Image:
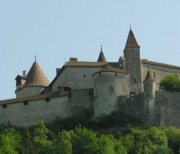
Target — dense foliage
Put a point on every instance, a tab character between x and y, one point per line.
170	83
45	139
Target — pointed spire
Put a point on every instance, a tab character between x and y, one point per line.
131	40
149	75
101	56
36	77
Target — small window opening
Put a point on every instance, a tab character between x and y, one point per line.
47	99
115	74
135	81
4	105
84	75
111	89
99	73
131	49
25	102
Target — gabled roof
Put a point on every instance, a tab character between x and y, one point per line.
84	64
149	76
147	62
36	77
131	41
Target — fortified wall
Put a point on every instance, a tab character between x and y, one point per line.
163	110
27	111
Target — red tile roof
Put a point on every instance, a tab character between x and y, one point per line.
101	57
109	68
131	41
84	64
149	76
147	62
36	77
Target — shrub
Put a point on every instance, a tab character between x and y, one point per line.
170	83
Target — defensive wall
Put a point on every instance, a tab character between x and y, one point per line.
47	108
163	110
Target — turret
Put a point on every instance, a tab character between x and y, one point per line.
33	83
101	57
149	85
133	62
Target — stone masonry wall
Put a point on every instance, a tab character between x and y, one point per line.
167	110
19	114
132	106
76	77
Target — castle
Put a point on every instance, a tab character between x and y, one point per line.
80	88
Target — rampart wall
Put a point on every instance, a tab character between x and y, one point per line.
19	114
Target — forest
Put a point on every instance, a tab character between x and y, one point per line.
113	134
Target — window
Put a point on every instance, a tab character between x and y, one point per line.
84	75
115	74
4	105
111	89
25	102
135	81
99	73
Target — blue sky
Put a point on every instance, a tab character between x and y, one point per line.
59	29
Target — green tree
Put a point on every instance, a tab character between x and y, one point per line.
150	141
41	142
107	144
84	141
63	143
170	83
10	141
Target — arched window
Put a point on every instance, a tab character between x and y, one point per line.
111	89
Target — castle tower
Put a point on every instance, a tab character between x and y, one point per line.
149	99
35	82
109	83
133	62
101	56
149	85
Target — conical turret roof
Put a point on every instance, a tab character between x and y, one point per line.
36	77
149	76
101	57
131	41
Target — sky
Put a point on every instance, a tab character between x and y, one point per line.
55	30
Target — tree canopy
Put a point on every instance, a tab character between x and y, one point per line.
170	83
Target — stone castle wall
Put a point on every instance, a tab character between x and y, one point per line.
76	77
19	114
28	91
108	86
167	110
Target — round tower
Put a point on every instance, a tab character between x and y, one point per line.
109	83
35	82
149	85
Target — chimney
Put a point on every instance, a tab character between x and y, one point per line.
73	59
24	73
